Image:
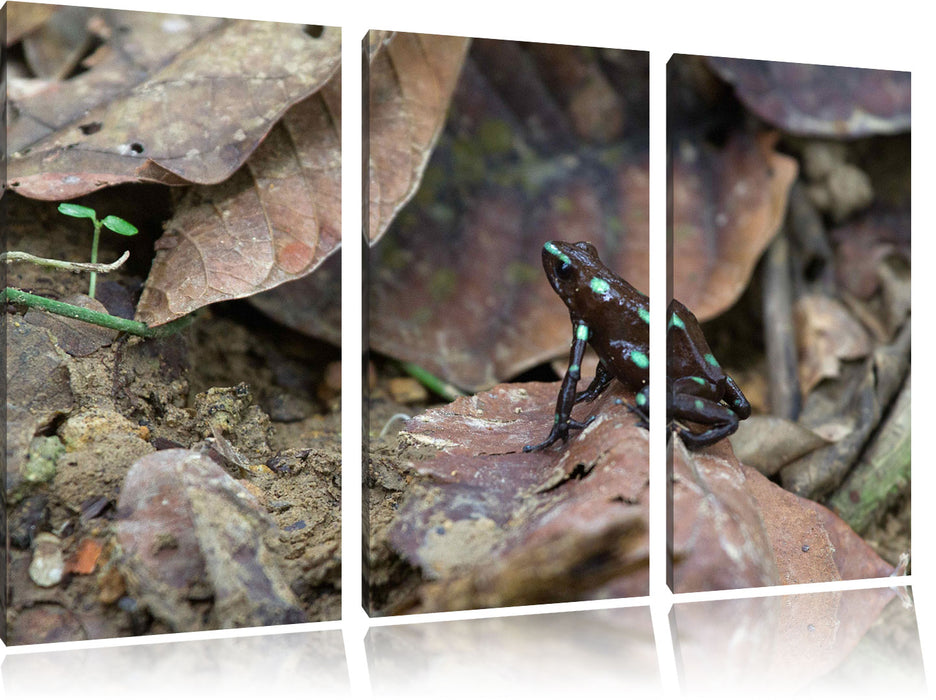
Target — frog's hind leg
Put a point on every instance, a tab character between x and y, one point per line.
723	420
602	378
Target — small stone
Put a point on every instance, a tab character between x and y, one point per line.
48	564
407	390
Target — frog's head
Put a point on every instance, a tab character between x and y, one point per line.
572	268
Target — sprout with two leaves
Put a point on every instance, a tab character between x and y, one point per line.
114	223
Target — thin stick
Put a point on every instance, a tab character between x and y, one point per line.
80	313
17	256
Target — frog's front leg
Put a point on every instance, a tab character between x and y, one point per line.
697	409
566	399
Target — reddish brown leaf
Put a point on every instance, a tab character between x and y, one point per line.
457	283
811	100
167	98
275	220
734	528
727	206
491	525
410	82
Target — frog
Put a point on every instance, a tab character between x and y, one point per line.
613	317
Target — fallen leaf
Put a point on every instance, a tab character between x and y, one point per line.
728	204
812	100
167	98
861	395
490	525
410	79
826	334
734	528
275	220
767	443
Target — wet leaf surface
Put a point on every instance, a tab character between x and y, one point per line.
273	221
734	528
410	81
812	100
491	526
165	98
728	203
190	531
456	284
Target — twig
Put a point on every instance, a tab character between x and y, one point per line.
17	256
98	318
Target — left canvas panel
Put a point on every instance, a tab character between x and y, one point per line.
171	420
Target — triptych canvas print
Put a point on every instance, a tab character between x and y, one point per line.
172	236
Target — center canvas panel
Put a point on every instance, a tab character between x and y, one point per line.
507	324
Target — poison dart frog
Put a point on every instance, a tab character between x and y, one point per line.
614	318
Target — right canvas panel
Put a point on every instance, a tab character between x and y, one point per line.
788	325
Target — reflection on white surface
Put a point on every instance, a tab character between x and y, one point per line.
829	645
301	664
599	653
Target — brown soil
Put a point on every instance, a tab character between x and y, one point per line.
131	397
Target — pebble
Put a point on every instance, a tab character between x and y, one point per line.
48	563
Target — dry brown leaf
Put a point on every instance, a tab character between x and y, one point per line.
410	82
275	220
167	98
826	333
734	528
727	206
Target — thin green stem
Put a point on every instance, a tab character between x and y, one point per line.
94	246
80	313
447	391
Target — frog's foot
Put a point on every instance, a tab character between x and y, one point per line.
560	431
722	421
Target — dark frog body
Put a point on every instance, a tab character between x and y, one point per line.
614	318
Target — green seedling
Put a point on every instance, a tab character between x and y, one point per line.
114	223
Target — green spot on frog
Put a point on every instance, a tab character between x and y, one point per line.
599	286
644	314
581	332
710	358
640	359
676	322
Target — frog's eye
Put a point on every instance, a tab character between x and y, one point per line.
563	269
